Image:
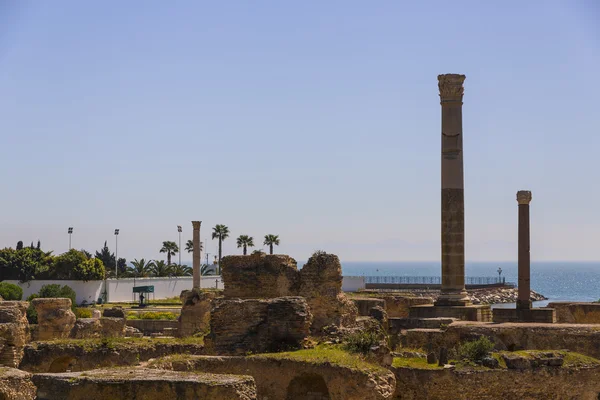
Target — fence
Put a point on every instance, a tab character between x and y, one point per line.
432	280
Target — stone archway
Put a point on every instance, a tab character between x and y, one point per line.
62	364
308	387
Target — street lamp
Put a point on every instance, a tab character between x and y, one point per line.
70	232
499	273
179	230
116	252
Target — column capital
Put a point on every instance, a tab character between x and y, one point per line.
451	87
524	197
196	224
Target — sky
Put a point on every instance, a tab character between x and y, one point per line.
317	121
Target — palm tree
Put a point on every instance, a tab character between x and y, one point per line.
189	246
140	269
171	249
271	240
181	270
160	268
245	241
205	269
220	232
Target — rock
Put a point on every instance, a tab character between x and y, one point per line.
130	331
490	362
431	358
112	327
379	314
443	357
114	312
145	384
514	361
96	313
16	385
55	318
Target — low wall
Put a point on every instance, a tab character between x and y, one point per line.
150	326
543	383
86	291
353	283
576	313
584	339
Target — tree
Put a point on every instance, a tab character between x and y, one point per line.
189	246
31	245
245	241
66	265
258	251
206	269
140	268
220	232
91	269
107	258
39	245
25	264
170	248
181	270
160	268
271	240
87	254
20	245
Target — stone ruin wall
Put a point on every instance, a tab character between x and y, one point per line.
259	325
576	312
539	383
14	332
271	276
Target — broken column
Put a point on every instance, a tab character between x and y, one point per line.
453	292
523	299
196	254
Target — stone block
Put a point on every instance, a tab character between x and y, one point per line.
542	315
14	332
144	384
114	312
16	385
364	304
481	313
239	326
259	276
576	312
195	312
55	318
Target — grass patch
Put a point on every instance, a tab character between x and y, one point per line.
164	315
83	312
324	354
116	343
417	363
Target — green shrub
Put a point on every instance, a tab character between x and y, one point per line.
10	291
476	350
83	312
31	313
153	315
361	342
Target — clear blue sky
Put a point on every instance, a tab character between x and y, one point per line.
318	121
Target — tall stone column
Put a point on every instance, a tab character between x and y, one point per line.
523	302
196	256
453	291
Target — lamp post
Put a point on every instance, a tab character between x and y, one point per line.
116	252
499	274
70	232
179	230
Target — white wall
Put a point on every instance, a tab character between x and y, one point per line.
88	291
120	290
353	283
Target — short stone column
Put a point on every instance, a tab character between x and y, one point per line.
523	302
453	291
196	256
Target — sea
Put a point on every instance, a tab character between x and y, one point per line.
558	281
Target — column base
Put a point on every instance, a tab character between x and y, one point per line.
480	313
450	299
524	304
